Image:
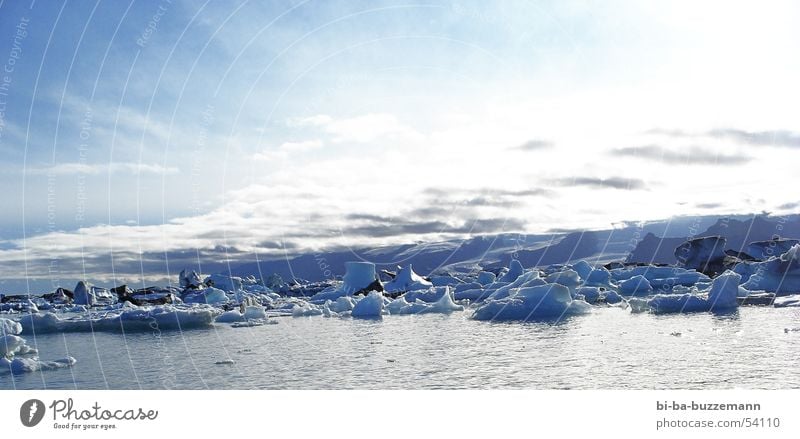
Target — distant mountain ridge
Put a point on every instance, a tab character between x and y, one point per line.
739	233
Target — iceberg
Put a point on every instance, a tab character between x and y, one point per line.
473	295
190	279
224	282
444	305
231	316
635	286
661	278
371	306
589	294
638	305
486	278
343	304
779	275
10	345
358	276
161	317
9	327
583	269
612	297
254	312
83	294
722	297
569	278
550	301
763	250
306	310
406	280
528	279
208	295
706	254
515	270
13	346
429	295
598	277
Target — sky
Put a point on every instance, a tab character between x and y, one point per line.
138	138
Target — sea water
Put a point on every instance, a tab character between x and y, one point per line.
610	348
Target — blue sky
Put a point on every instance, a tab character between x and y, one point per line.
135	132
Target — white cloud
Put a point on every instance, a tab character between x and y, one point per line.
360	129
287	148
103	168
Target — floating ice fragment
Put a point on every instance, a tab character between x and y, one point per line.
370	306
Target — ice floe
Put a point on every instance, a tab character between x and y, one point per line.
407	280
371	306
635	286
128	319
721	297
208	295
17	357
787	301
550	301
779	275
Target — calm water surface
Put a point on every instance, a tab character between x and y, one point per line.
608	349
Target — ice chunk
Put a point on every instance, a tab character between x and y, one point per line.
445	304
611	297
429	295
638	305
25	365
358	275
444	280
473	295
254	312
528	279
343	304
724	290
84	294
407	280
590	294
224	282
777	275
370	306
129	319
763	250
787	301
704	254
397	306
635	286
209	295
583	269
306	310
231	316
486	277
673	303
515	270
9	327
10	345
569	278
332	292
189	279
550	301
721	297
598	276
